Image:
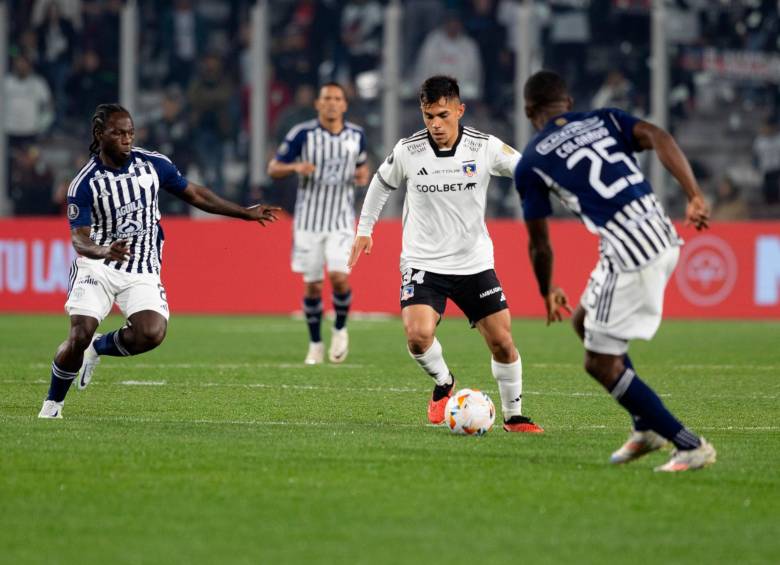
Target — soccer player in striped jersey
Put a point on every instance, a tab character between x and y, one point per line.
447	252
329	156
586	159
114	219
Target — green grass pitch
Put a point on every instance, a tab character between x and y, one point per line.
221	447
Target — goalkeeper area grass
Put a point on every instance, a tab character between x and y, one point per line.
221	447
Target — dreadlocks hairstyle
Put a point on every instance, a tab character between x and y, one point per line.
99	120
437	87
543	88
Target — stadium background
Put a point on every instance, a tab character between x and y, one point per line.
189	70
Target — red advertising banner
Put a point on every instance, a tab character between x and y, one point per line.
228	266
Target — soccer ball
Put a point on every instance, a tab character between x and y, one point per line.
469	412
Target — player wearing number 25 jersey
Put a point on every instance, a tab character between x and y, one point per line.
586	159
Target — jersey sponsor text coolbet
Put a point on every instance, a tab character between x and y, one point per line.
444	227
122	204
587	160
326	199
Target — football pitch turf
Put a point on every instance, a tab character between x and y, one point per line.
221	447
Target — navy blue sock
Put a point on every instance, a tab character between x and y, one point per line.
341	303
60	383
111	344
637	422
312	309
638	398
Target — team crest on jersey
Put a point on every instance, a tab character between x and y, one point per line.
73	211
469	168
145	181
407	292
560	122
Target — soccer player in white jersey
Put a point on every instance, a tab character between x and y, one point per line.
587	160
114	219
329	156
447	251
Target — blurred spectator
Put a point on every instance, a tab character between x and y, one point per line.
32	183
614	93
482	24
361	34
28	47
766	150
28	104
210	97
170	135
56	37
448	51
181	34
419	17
101	30
300	110
293	52
729	204
69	9
89	85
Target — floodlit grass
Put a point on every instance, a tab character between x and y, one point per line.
221	447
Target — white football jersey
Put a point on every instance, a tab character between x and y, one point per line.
444	227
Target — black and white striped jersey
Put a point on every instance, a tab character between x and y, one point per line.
326	199
122	204
587	160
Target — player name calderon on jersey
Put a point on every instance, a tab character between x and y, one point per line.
454	187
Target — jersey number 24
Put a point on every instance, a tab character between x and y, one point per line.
597	154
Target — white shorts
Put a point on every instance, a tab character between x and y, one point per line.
95	287
313	251
620	306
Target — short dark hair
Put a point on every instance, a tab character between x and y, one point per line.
437	87
543	88
334	84
99	120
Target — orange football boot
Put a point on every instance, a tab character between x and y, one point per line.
436	407
522	424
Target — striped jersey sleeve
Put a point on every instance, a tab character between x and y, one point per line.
80	198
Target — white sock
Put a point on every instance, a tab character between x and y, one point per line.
509	377
432	362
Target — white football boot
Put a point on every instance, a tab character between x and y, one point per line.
690	459
51	409
91	361
638	444
316	354
339	346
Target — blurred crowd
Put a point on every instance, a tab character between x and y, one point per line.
194	78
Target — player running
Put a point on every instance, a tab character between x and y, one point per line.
114	219
329	155
586	159
447	251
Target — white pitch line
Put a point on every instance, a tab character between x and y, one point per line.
339	388
329	425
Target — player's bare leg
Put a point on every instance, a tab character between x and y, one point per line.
312	310
622	382
420	322
67	363
342	299
507	368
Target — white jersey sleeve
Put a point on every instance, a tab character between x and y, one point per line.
391	173
502	158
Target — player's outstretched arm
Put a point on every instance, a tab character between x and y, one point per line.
649	136
541	255
84	246
375	200
279	170
206	200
